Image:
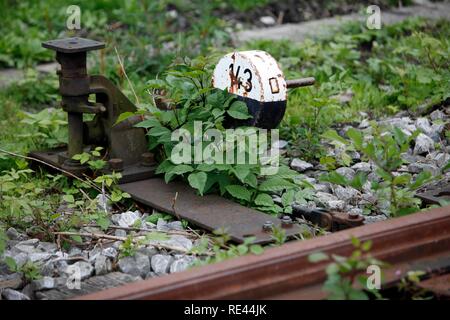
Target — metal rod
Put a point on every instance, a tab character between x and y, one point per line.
75	145
303	82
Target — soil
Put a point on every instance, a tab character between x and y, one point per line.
294	11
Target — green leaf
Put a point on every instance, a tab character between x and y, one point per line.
356	136
156	236
424	76
83	157
164	166
263	199
97	164
156	84
241	172
197	181
123	116
103	222
446	167
288	198
251	180
334	177
76	238
414	276
317	257
402	179
249	240
366	245
400	136
242	249
3	241
421	178
68	198
406	211
346	159
286	173
355	294
275	184
159	131
217	112
239	192
304	194
334	136
332	269
148	123
383	174
206	167
126	195
239	110
328	162
256	249
359	180
153	218
356	242
116	196
178	170
11	263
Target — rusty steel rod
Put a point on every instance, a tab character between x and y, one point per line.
416	241
303	82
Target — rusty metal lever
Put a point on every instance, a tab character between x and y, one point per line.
302	82
125	145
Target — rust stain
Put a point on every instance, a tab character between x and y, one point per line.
258	77
234	82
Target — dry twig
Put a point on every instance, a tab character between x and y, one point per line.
111	237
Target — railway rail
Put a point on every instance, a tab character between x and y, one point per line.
417	242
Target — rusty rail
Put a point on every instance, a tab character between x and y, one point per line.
417	241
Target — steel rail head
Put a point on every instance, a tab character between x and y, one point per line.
285	272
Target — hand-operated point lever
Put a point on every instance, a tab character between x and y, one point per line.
125	144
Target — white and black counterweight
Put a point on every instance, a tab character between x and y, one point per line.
255	77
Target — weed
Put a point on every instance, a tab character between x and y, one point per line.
402	66
345	273
408	286
223	250
3	240
30	271
189	97
385	150
128	248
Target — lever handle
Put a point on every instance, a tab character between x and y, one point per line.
303	82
